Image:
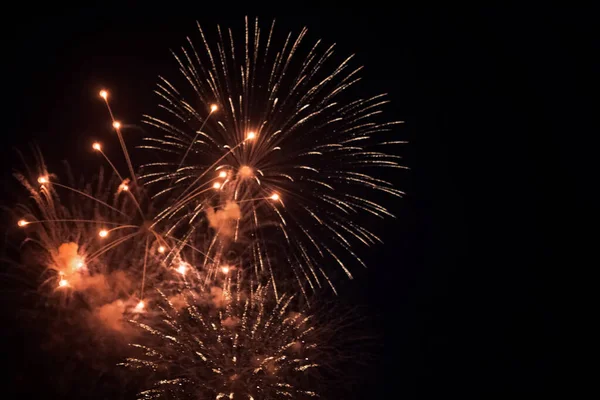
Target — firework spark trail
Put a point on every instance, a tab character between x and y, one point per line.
298	157
117	125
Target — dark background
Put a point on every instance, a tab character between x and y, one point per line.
469	290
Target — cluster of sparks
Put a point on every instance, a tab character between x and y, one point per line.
265	178
234	343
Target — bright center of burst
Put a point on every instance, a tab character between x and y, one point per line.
140	305
250	135
63	283
245	171
182	269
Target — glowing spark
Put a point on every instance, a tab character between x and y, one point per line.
140	306
213	108
124	187
103	233
250	135
22	223
222	174
161	249
116	124
245	171
43	179
182	269
97	146
217	185
63	283
79	265
225	269
104	94
274	196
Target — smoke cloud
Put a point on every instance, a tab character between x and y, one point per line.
218	297
111	316
230	322
223	220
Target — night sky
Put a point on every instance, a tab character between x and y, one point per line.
467	292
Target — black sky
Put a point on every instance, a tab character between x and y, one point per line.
468	289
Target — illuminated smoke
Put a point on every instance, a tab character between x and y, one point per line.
111	316
218	297
223	220
230	322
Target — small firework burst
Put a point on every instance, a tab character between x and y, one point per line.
75	233
228	342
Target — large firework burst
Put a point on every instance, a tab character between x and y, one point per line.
266	135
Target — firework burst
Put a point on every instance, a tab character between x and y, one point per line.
230	341
268	130
67	226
